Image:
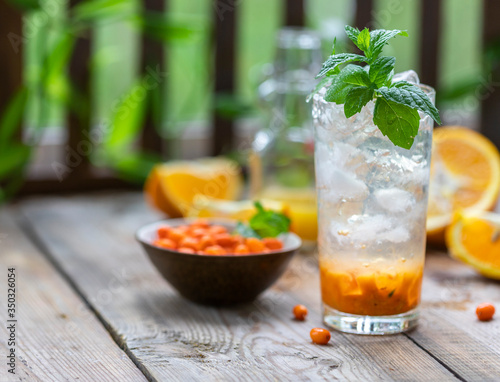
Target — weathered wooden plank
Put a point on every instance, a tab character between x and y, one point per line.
490	98
294	14
449	328
364	13
11	48
92	239
430	28
79	121
153	56
224	72
59	338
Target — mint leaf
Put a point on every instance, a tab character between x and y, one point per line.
363	41
333	61
360	39
245	231
356	99
379	38
352	33
355	75
404	93
397	104
396	121
381	69
348	78
267	223
337	92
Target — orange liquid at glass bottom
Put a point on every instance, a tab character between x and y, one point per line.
371	288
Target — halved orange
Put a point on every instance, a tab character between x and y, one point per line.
475	240
172	186
465	175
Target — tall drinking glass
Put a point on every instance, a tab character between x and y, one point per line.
372	206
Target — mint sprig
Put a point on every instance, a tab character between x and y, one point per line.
264	223
268	223
397	103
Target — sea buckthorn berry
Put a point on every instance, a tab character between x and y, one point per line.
165	243
186	250
241	249
203	223
216	229
237	239
189	242
485	312
183	228
176	234
224	240
163	232
300	312
214	250
206	241
320	336
272	243
198	232
254	245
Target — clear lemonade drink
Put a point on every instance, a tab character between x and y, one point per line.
372	186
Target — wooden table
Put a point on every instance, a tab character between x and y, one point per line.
91	307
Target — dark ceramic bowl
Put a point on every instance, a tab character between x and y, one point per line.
217	280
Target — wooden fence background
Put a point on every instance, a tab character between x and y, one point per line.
225	28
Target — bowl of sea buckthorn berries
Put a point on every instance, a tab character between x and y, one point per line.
221	261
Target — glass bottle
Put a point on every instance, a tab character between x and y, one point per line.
282	158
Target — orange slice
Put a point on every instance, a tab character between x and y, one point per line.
171	187
204	207
475	240
465	175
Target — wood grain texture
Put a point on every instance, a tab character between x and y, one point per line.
449	328
59	338
92	239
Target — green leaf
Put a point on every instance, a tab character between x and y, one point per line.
363	41
26	5
352	33
134	166
54	76
338	91
380	37
245	231
334	45
127	119
407	94
333	61
163	28
230	107
267	223
12	117
97	10
381	70
13	158
357	98
398	122
459	90
355	75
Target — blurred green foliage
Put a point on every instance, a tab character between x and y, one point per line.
187	95
51	84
